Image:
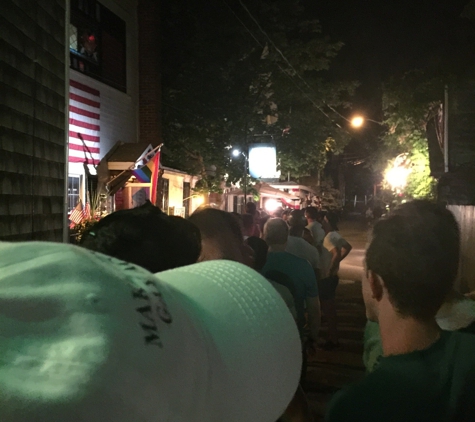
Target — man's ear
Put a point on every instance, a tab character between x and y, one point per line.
376	285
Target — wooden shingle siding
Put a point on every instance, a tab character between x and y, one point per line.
32	119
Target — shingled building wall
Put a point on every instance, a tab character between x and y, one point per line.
32	119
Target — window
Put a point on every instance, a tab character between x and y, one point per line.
73	192
162	200
97	43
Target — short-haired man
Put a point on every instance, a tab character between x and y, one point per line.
411	265
315	227
297	245
276	233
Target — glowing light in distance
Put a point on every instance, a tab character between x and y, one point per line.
199	200
271	205
397	177
236	152
357	121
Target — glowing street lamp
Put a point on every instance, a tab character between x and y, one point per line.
357	121
397	175
236	152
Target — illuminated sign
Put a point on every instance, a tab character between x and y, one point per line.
263	161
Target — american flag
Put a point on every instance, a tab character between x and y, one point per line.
84	109
77	215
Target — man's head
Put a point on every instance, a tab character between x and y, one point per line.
221	235
147	237
412	261
332	222
251	208
297	223
276	232
311	214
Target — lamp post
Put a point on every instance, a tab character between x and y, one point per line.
237	153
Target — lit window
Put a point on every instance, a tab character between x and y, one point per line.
73	37
73	192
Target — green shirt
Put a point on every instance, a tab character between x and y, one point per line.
418	386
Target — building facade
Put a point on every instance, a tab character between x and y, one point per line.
33	150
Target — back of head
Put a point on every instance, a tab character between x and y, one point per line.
332	219
416	253
297	222
276	232
86	337
221	234
251	208
311	213
147	237
260	248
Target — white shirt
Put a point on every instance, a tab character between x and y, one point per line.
317	232
331	241
301	248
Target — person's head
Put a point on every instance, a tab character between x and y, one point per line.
251	208
147	237
311	214
247	224
221	235
411	262
332	220
260	248
297	223
278	212
286	214
85	337
276	233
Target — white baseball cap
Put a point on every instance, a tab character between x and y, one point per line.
86	337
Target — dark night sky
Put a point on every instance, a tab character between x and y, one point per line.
385	38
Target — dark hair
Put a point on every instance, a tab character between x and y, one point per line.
260	248
147	237
212	221
251	208
311	212
416	252
296	222
333	219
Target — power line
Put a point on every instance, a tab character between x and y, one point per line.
283	56
280	67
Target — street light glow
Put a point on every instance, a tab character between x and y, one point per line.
236	152
357	121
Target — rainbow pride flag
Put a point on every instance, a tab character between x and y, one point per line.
149	174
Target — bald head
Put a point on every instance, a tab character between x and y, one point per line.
276	232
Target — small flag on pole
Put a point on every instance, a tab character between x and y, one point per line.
77	214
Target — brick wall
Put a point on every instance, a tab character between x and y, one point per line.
149	71
32	119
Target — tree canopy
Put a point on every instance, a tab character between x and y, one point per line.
234	74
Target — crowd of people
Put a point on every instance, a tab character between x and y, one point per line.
212	318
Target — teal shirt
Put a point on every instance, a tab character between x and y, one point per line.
422	386
301	273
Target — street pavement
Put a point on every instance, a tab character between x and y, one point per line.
330	371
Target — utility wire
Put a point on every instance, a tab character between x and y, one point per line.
285	58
